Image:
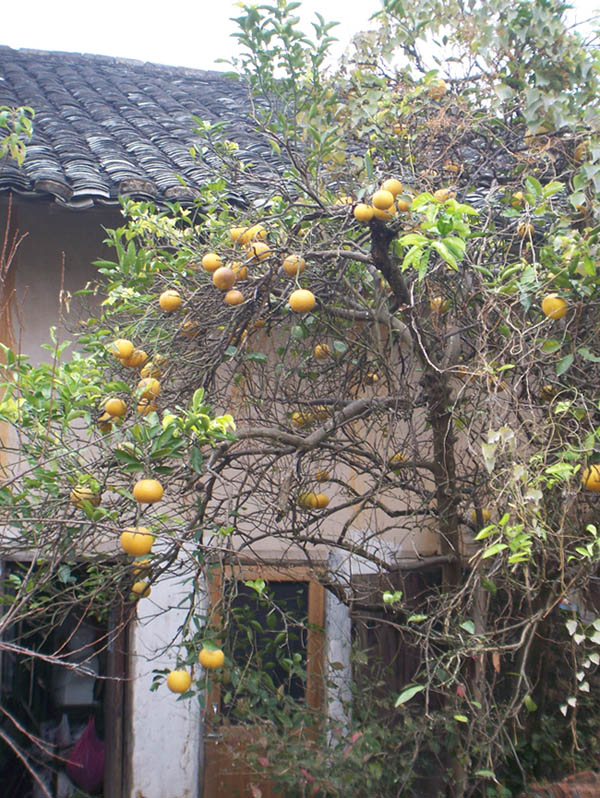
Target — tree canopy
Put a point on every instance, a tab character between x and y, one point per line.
379	337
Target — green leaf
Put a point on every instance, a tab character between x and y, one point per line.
485	532
445	253
412	239
456	245
534	187
196	459
416	618
495	549
126	457
407	694
564	364
468	626
550	346
587	355
461	718
530	704
552	188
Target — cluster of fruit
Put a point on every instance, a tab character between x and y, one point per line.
384	203
138	540
180	681
252	240
148	388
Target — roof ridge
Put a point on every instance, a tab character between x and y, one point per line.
111	59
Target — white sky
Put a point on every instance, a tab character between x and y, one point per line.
192	33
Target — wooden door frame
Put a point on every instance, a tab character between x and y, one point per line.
315	641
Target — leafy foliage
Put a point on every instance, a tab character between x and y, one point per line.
426	413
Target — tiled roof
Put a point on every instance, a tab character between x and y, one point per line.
106	127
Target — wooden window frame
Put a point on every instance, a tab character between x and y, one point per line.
315	639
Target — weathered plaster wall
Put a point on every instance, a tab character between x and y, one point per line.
165	740
52	231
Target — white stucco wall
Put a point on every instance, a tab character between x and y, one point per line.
165	740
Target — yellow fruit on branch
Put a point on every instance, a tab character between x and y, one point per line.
323	475
403	205
81	494
146	406
397	458
234	297
115	407
224	278
147	491
141	567
438	304
382	200
580	152
179	681
485	515
313	501
548	392
170	300
363	213
308	501
437	89
590	478
240	271
190	328
554	306
299	419
525	230
121	348
322	351
151	369
392	185
302	301
148	388
141	589
371	378
293	265
211	659
257	231
136	359
236	232
211	262
137	540
443	194
517	199
258	250
386	215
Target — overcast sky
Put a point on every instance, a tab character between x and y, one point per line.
192	33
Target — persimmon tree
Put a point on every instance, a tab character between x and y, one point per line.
390	285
